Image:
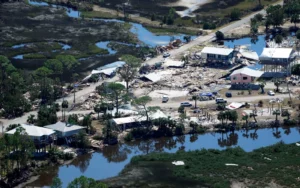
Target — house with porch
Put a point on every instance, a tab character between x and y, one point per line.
41	136
217	55
277	62
245	78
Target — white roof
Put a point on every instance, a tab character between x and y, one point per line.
63	127
216	50
132	119
269	53
173	63
108	71
156	76
248	71
33	131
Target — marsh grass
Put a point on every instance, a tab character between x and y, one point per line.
279	163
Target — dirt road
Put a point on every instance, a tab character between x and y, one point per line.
155	102
176	103
207	38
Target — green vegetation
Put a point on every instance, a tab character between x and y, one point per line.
15	155
98	14
278	163
171	30
12	86
34	56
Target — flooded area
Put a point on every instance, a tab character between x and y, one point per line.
113	159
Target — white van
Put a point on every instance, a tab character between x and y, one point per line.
220	100
165	99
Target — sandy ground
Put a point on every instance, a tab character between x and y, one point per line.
191	5
170	93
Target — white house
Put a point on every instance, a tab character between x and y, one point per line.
216	54
34	132
278	60
65	130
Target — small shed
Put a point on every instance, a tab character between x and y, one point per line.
65	130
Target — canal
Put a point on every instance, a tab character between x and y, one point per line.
113	159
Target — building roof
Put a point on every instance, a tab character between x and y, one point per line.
173	63
156	76
63	127
107	71
271	53
132	119
33	131
249	54
116	64
248	72
216	50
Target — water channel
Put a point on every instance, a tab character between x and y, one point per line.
21	56
142	33
112	159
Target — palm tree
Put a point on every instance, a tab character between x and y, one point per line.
195	98
222	117
253	115
64	106
31	119
246	119
276	113
262	86
277	84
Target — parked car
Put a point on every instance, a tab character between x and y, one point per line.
228	94
271	93
186	104
220	100
166	54
165	99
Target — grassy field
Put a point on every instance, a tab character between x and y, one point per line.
278	165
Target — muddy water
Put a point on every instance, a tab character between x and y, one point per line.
112	159
143	34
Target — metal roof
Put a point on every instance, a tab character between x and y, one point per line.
63	127
156	76
218	51
132	119
248	72
279	53
33	131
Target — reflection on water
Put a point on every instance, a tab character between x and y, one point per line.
113	159
255	45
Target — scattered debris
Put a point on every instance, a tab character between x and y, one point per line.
178	163
231	164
